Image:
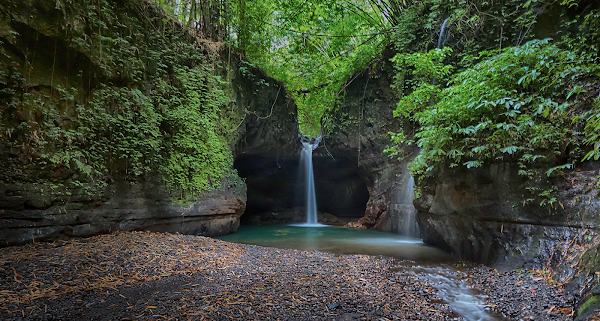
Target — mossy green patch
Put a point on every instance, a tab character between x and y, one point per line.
121	92
590	304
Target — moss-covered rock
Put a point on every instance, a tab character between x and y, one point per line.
100	100
96	90
587	308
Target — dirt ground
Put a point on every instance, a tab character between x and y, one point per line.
158	276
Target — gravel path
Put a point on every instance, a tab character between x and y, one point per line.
156	276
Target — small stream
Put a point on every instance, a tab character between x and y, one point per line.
464	301
430	264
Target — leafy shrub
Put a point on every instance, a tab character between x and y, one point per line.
197	155
525	104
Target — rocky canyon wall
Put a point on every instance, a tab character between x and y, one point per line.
54	65
363	120
484	214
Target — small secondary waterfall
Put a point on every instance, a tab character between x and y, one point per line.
404	198
442	38
403	205
440	45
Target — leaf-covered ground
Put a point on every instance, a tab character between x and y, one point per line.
155	276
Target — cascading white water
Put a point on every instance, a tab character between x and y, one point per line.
442	38
311	199
466	304
402	204
410	225
440	44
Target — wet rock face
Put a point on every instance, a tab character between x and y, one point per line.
270	126
277	185
480	215
126	207
340	189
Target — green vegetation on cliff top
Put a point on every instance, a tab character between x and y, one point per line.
535	103
91	91
517	80
94	89
313	47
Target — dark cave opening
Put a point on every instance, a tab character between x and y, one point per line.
276	185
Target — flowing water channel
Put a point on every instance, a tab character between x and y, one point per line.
428	263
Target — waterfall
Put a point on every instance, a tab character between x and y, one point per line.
308	145
440	44
442	38
404	205
311	200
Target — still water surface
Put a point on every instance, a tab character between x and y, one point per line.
339	240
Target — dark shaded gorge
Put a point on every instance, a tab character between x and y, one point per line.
276	184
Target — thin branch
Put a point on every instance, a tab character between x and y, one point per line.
349	82
340	54
332	36
272	106
327	149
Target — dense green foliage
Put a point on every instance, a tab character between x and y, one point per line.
535	104
199	157
149	101
134	91
517	102
494	94
313	47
